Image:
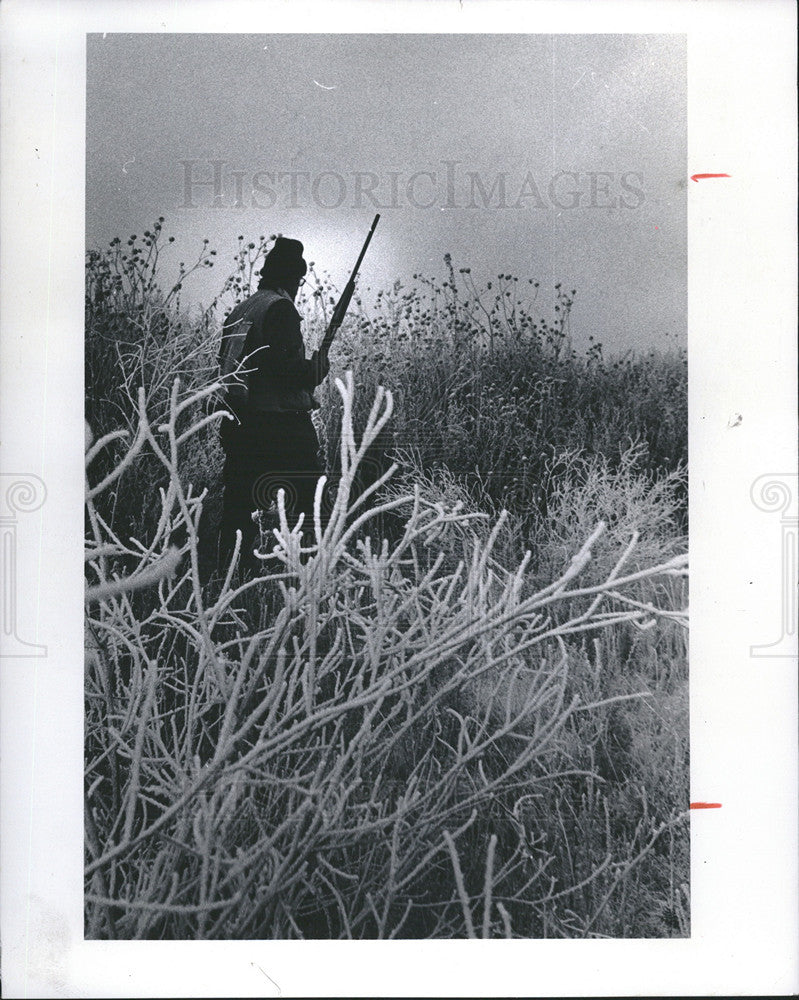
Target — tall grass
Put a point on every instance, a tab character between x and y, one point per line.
461	712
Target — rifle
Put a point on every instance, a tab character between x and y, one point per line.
343	303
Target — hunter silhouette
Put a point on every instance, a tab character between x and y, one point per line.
272	443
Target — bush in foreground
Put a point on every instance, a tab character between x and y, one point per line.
378	741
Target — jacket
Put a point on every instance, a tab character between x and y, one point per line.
262	347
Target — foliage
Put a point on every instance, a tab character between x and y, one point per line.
442	718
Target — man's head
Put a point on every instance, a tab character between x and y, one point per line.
284	266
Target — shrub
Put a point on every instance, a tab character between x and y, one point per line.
321	776
462	710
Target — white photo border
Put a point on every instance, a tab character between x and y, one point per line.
742	362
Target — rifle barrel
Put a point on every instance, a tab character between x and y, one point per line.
346	296
365	246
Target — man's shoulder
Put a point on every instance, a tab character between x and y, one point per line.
264	302
283	309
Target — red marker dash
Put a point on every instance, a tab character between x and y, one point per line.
705	805
702	177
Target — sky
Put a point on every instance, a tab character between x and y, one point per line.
558	158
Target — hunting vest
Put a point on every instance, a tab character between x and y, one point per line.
253	387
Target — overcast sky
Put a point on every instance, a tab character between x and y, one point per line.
561	158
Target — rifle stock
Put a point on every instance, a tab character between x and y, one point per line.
343	304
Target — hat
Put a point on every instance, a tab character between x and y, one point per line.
284	261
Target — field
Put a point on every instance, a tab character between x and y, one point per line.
463	713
